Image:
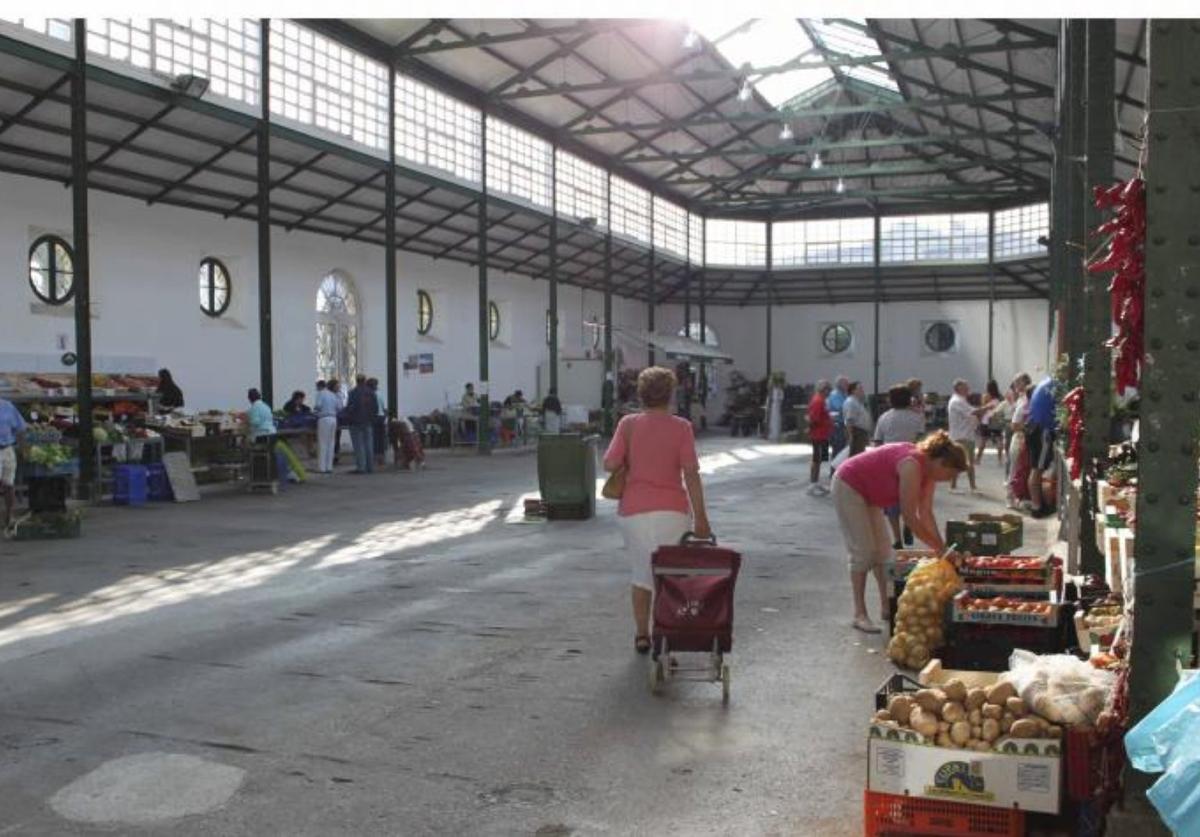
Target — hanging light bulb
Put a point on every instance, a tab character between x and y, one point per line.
691	39
744	91
785	135
840	187
816	161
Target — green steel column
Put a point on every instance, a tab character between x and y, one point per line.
266	366
877	273
650	302
82	279
389	234
1097	358
770	289
991	262
1076	229
484	429
704	307
1058	196
1170	413
553	312
610	371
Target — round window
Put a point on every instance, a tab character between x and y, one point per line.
214	287
493	321
836	338
940	337
52	270
424	312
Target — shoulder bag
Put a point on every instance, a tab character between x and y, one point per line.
614	486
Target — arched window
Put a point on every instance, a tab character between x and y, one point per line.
493	321
337	328
424	312
214	287
52	270
693	332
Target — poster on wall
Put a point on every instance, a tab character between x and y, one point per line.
410	364
425	363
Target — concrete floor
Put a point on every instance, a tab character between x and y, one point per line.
394	654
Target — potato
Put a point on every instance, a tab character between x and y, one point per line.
1054	731
944	740
975	717
983	746
976	731
900	707
990	730
1006	723
990	710
1016	706
955	690
976	698
930	700
1001	692
943	726
923	722
883	715
1024	728
918	656
953	711
960	733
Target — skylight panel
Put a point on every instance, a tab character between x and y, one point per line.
848	39
765	42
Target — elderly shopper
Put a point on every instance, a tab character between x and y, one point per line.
663	497
820	429
857	419
900	474
326	409
964	426
12	434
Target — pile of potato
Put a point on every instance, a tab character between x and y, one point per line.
966	719
920	613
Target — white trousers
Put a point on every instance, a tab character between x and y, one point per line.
326	431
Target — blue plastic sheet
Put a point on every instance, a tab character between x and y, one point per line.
1168	741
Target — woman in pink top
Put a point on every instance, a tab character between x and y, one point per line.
659	452
900	474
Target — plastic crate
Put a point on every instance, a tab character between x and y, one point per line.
129	485
158	487
982	647
887	814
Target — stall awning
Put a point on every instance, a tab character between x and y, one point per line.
675	347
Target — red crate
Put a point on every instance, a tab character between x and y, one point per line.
886	814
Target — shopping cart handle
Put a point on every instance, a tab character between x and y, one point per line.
690	539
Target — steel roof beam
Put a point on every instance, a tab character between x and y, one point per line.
882	169
338	198
590	27
35	100
124	142
222	151
297	168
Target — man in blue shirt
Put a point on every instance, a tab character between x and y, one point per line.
260	417
835	403
1040	427
12	431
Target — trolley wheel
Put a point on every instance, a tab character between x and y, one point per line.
725	683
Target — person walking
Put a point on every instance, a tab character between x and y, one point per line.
836	403
327	411
899	424
857	419
964	422
820	429
1040	428
361	409
12	434
339	392
899	474
662	484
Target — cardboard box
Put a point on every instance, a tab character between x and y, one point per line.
987	534
958	613
1020	773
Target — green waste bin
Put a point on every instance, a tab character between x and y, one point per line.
567	475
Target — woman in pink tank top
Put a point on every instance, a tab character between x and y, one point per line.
900	474
662	486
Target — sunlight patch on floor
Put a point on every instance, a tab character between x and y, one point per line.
415	533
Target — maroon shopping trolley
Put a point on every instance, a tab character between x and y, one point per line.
693	610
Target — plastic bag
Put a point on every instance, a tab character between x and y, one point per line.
1150	743
920	612
1059	687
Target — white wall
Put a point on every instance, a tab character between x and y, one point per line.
147	314
146	304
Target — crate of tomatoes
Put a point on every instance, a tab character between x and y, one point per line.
1003	610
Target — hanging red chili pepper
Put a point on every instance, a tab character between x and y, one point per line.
1073	401
1125	259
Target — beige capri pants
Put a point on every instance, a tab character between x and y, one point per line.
645	533
864	528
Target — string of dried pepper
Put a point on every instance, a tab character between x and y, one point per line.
1073	401
1125	258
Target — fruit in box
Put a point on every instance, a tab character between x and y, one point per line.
1000	604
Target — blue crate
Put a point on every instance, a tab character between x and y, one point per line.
158	487
130	485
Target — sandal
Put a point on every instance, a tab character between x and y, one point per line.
641	644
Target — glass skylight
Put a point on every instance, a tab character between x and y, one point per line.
768	42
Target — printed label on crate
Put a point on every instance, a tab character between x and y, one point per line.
1028	779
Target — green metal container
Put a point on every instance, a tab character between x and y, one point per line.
567	475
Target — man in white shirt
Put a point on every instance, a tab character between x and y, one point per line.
964	423
326	411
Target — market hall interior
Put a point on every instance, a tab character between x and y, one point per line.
416	658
